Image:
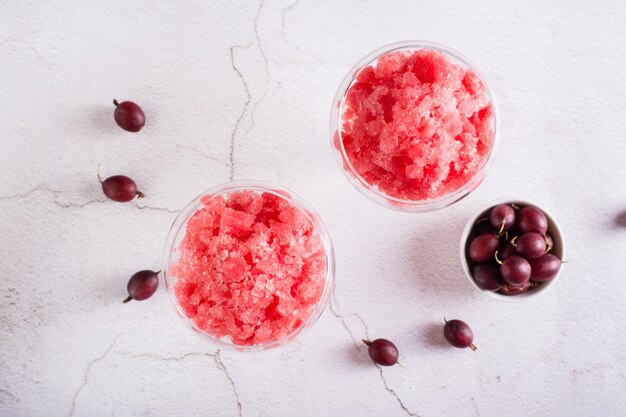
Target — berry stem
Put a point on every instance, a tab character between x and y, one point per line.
548	245
116	102
515	206
98	174
473	347
127	299
512	242
367	342
497	260
141	195
501	228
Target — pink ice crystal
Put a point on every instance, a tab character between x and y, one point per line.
251	268
416	125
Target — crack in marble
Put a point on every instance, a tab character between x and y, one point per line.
220	365
265	65
88	369
157	208
81	205
55	193
367	331
396	396
28	193
164	358
334	310
204	154
342	318
285	10
243	111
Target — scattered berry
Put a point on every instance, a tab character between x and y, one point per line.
382	352
129	116
120	188
458	334
142	285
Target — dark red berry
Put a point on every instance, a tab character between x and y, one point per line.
120	188
508	289
129	116
531	245
515	270
487	277
458	334
382	352
545	268
483	247
531	219
502	217
142	285
506	249
483	226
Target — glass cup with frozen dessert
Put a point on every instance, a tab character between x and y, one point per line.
248	265
414	126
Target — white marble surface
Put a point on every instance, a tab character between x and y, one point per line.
243	89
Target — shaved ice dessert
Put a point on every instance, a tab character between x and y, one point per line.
252	267
416	125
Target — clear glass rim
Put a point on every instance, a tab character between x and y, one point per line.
179	224
336	128
553	228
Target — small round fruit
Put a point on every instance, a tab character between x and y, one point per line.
515	270
545	268
129	116
502	217
487	277
483	227
382	352
508	289
142	285
120	188
506	249
483	247
531	245
458	334
531	219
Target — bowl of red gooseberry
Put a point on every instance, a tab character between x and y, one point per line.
512	250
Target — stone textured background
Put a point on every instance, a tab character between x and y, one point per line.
257	80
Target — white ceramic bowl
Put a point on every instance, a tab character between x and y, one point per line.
558	249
